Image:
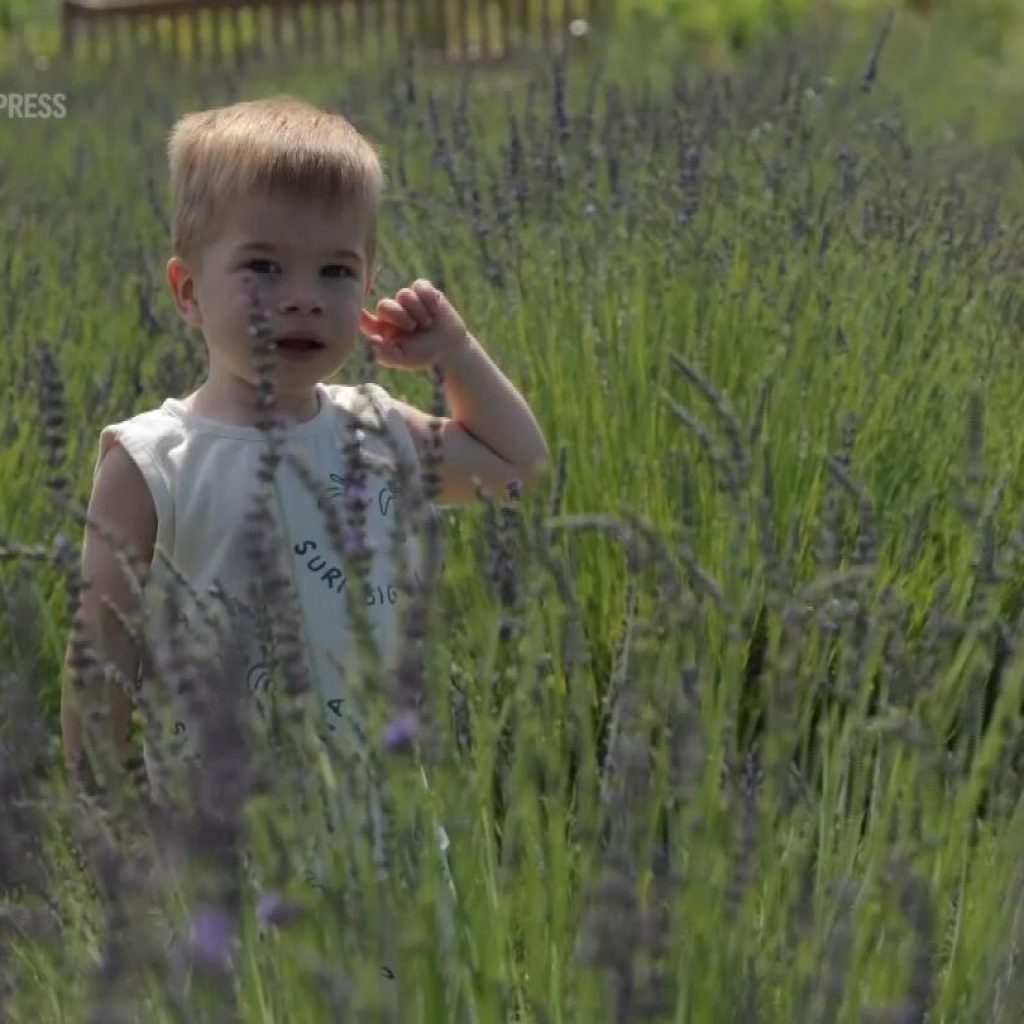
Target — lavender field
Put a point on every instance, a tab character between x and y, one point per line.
722	721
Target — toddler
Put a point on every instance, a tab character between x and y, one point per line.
278	199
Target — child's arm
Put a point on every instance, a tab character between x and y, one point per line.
121	502
492	434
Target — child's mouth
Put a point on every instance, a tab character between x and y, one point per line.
298	345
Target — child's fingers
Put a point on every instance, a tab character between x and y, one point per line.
394	312
413	303
376	329
370	325
433	299
426	291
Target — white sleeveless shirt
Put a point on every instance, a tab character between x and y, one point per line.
202	475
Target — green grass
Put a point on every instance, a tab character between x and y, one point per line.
812	318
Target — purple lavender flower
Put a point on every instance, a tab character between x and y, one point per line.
273	908
211	937
401	732
356	545
359	491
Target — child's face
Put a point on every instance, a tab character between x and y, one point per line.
308	265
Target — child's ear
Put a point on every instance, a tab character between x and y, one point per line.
183	286
371	279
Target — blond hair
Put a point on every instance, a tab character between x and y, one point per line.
280	146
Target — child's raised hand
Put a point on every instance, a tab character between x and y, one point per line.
415	329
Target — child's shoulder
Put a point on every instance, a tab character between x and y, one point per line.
369	404
147	436
374	409
359	399
154	422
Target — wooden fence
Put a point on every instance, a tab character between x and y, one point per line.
231	30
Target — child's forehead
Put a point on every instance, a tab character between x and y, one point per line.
292	220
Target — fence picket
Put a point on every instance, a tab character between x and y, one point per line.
219	28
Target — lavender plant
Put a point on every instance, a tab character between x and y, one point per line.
723	723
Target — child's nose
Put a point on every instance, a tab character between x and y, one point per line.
301	300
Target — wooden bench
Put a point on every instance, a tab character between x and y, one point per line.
235	29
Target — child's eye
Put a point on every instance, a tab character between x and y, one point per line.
262	266
337	270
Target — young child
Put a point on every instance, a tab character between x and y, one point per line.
282	197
